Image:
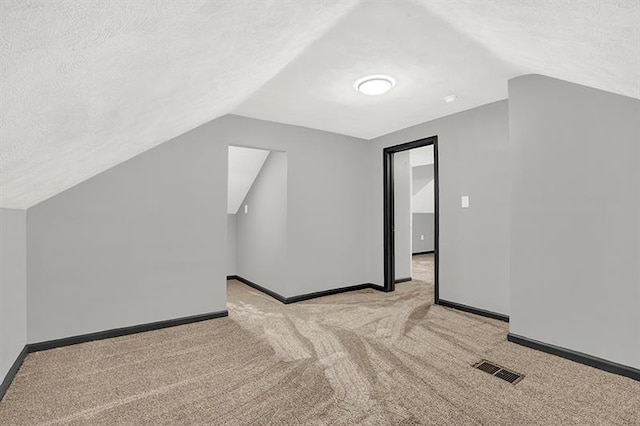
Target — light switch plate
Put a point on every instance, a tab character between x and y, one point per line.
465	201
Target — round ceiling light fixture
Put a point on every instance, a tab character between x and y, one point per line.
375	84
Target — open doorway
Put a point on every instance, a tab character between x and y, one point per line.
257	219
422	206
404	232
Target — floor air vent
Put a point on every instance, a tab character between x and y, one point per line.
496	370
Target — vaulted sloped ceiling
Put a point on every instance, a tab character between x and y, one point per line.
86	85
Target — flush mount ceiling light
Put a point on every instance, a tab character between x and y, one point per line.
450	98
375	84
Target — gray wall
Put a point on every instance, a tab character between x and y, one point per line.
141	242
423	208
146	240
262	231
232	263
13	287
402	214
474	243
327	193
423	200
423	225
575	220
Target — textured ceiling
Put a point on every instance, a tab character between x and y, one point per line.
86	85
435	48
591	42
428	58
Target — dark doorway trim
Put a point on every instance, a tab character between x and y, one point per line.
389	231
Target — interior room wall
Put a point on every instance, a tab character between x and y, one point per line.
423	232
232	262
327	193
423	190
575	218
146	240
423	209
13	287
262	230
402	214
474	243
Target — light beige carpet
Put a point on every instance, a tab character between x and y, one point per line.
364	357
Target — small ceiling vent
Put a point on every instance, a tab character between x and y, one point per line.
497	371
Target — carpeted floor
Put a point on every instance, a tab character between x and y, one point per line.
364	357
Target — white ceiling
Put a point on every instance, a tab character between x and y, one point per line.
421	156
87	85
428	58
435	48
244	166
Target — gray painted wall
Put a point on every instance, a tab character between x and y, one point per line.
232	263
327	193
13	287
575	220
262	231
141	242
402	214
423	208
146	240
423	225
474	243
423	200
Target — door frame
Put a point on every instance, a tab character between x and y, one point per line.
388	216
